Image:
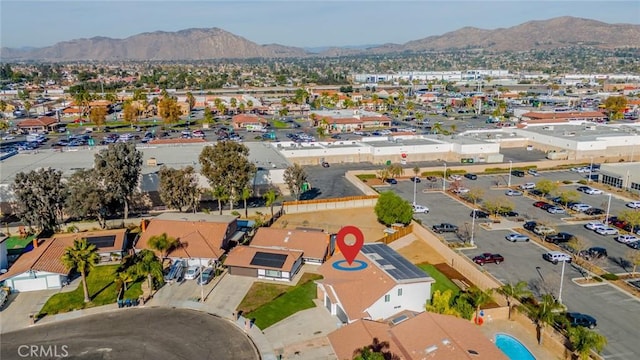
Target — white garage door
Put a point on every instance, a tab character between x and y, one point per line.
30	284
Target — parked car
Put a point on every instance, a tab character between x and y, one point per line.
513	193
508	213
560	237
578	319
455	177
444	227
581	207
432	178
515	237
461	190
488	258
192	272
606	231
595	252
206	276
420	209
592	225
594	211
536	192
625	239
518	173
471	176
527	186
325	164
543	230
392	181
415	179
592	191
479	214
633	204
555	257
533	172
176	272
556	210
540	204
634	245
530	225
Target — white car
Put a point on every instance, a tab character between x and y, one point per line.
517	237
592	225
528	186
634	204
513	193
556	257
580	169
556	210
8	137
455	177
533	172
592	191
420	209
625	239
581	207
192	272
461	190
606	231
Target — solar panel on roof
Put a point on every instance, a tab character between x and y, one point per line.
102	241
393	263
269	260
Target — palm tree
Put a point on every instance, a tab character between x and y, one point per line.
517	291
374	351
148	265
244	196
122	278
395	170
584	340
416	171
163	243
270	199
437	128
479	298
82	256
221	194
453	128
544	314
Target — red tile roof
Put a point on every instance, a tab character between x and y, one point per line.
42	121
248	118
314	244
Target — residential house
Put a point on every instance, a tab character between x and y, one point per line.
4	255
264	263
386	284
39	125
42	268
416	337
202	238
313	244
244	121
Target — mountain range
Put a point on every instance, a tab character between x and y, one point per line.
215	43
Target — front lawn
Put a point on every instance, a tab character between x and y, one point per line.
293	299
102	290
279	124
442	282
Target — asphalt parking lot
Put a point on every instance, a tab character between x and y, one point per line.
150	333
617	313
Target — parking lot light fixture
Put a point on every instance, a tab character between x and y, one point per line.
473	225
606	217
561	281
510	168
590	169
444	178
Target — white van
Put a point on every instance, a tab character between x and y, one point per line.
556	256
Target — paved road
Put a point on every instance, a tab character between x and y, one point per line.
617	313
151	333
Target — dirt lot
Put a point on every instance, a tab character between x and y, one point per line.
420	252
332	220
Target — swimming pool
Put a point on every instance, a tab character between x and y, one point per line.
513	348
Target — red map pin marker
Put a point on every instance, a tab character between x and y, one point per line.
350	251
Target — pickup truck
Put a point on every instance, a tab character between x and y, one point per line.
444	227
488	258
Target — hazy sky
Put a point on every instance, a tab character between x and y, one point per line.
288	22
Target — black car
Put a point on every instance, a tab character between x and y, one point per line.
415	179
594	211
560	237
530	225
518	173
325	164
479	214
578	319
536	192
392	181
595	252
471	176
508	213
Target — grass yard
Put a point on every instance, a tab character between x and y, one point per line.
16	242
285	304
260	294
102	290
442	282
278	124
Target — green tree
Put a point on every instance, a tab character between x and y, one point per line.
615	106
27	107
124	277
118	167
163	243
270	198
395	170
544	313
391	209
474	195
295	177
227	164
479	298
221	195
633	256
148	265
632	217
517	292
191	100
244	196
441	303
179	188
169	110
40	196
82	99
584	340
546	186
82	257
208	116
377	350
3	105
568	196
87	197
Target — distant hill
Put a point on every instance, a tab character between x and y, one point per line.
204	44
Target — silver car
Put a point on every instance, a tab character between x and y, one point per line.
515	237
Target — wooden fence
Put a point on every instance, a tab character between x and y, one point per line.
402	232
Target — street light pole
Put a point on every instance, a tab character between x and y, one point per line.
606	217
561	281
591	169
444	178
415	181
510	167
473	224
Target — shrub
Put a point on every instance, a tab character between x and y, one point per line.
610	276
72	229
567	182
235	213
366	176
582	182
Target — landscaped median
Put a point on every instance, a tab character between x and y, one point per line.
270	303
103	290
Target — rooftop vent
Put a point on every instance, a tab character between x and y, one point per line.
431	349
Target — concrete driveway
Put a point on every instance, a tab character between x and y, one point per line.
15	314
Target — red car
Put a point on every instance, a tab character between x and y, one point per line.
488	258
539	204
